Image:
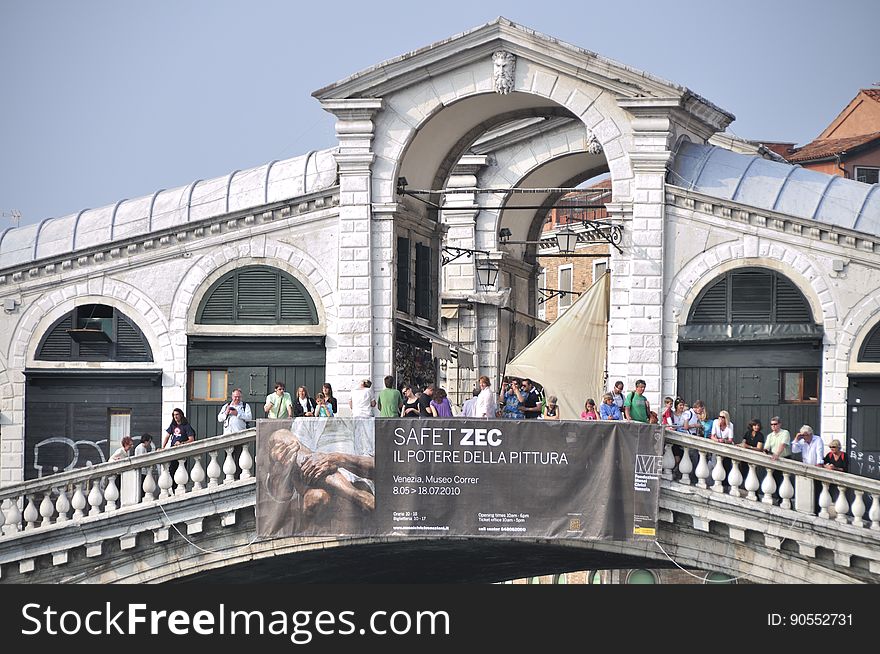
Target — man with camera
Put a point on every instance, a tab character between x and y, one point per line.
235	414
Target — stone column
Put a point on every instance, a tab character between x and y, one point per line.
637	321
364	326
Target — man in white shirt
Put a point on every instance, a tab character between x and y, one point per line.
810	446
362	401
486	402
235	414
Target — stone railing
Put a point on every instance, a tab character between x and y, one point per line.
104	489
720	467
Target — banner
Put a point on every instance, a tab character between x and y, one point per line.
458	477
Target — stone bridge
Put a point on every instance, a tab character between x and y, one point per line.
118	523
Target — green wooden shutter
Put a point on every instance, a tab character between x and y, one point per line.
870	351
403	275
296	307
257	295
131	345
751	297
791	305
712	306
220	306
423	281
57	344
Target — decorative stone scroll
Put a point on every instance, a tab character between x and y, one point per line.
504	66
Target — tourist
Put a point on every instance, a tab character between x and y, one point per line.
778	443
835	459
410	403
235	414
362	401
486	405
440	406
551	411
303	406
179	432
722	429
278	404
636	406
322	409
327	390
809	446
390	401
589	412
121	454
609	410
510	398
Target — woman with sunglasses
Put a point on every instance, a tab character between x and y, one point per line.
835	459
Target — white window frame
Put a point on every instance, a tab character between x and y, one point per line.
858	169
119	427
568	296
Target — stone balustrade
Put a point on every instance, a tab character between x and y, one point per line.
104	489
843	498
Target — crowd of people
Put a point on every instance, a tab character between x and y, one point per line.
517	399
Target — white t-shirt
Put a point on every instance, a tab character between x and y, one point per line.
486	404
469	407
722	434
361	403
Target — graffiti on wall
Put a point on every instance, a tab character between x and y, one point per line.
57	454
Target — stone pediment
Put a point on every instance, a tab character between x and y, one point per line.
414	67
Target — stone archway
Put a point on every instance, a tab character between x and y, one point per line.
795	266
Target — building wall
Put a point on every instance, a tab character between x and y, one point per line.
159	287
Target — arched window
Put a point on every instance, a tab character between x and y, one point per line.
257	295
94	332
751	295
718	578
870	350
641	577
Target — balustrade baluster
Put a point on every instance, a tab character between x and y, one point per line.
30	514
768	486
198	474
47	509
214	470
111	494
229	466
858	509
246	461
718	474
149	486
874	512
824	501
702	471
685	467
165	482
734	479
2	516
62	505
786	491
841	506
668	461
79	502
752	484
95	498
13	515
181	477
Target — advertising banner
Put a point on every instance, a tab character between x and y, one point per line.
458	477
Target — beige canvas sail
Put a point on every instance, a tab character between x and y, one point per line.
568	358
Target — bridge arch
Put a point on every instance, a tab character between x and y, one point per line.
447	113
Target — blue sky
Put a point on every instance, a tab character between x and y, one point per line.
110	99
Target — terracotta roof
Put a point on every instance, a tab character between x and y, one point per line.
874	94
824	148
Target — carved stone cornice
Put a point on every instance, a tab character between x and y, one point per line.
712	208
